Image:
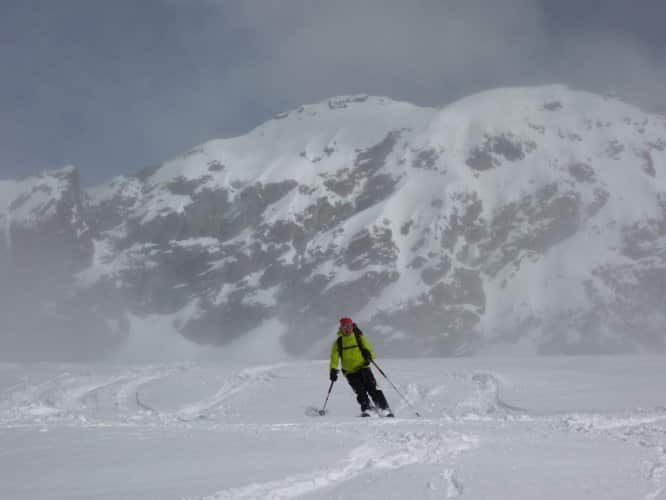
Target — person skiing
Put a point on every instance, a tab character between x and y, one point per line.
354	352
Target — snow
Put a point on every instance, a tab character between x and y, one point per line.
125	187
272	151
502	428
31	200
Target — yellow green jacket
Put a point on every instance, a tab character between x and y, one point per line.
352	357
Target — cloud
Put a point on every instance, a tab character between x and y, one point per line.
406	50
611	62
141	82
432	51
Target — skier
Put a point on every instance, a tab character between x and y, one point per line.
355	352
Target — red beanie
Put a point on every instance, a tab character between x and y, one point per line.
346	321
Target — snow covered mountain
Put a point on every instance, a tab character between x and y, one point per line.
527	217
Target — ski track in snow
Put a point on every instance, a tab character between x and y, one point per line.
66	397
83	398
242	381
77	398
385	451
454	487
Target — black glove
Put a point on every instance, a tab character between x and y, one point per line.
334	375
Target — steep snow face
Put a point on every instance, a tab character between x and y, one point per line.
531	216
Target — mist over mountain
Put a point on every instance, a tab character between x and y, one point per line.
519	220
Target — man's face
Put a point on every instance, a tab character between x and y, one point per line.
346	328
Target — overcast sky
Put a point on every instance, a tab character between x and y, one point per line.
114	86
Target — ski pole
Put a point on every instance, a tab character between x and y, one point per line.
330	388
394	387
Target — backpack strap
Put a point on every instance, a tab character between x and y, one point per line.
357	334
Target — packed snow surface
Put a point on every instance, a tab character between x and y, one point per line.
519	428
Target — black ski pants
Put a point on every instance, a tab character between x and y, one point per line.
363	382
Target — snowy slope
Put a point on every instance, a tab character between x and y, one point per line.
518	428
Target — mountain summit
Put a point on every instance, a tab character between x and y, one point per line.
523	216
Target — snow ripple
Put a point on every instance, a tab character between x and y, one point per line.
385	451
